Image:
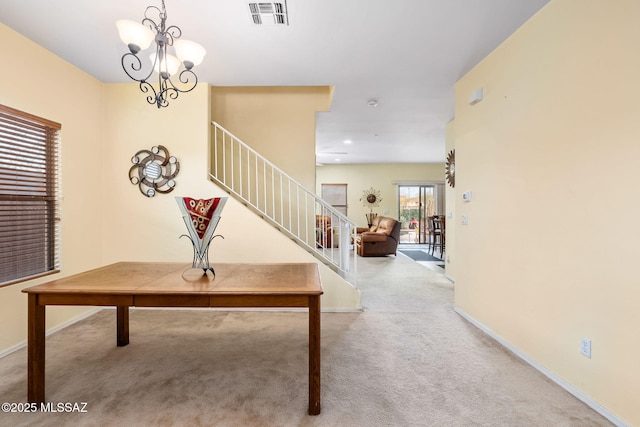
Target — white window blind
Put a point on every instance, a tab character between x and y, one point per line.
29	196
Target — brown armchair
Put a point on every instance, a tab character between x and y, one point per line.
380	239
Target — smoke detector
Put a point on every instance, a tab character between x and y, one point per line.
273	13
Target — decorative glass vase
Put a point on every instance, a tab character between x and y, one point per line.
201	216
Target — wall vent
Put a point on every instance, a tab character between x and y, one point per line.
269	13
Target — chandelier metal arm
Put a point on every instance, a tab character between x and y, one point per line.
170	91
132	63
146	87
173	32
152	21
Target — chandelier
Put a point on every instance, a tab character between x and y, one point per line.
138	37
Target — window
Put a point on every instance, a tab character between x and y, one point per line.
336	196
29	184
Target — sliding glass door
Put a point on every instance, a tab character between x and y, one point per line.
416	203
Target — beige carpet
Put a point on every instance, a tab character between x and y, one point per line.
407	360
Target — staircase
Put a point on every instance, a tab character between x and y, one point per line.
283	202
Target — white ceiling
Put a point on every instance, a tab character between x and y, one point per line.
406	54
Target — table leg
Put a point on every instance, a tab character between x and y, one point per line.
35	350
314	355
122	325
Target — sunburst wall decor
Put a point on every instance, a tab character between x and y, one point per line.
450	168
372	199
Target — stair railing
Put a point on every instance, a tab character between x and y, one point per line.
282	201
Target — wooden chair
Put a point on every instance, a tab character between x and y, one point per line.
324	233
436	233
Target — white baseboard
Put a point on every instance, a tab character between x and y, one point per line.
61	326
553	377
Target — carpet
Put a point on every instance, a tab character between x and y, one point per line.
418	255
407	360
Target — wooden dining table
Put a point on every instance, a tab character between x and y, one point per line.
148	284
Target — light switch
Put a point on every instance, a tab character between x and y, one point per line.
465	219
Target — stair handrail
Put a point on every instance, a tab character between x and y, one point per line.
346	227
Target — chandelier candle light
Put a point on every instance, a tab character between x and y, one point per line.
138	37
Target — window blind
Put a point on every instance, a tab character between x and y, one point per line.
29	196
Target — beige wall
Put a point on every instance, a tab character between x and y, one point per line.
138	228
550	252
44	85
379	176
278	122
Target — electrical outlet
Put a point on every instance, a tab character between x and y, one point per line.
585	347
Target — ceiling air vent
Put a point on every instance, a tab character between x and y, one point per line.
269	13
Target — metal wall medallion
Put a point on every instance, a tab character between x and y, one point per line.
154	170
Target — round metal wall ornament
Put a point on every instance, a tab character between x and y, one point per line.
154	171
371	198
450	168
